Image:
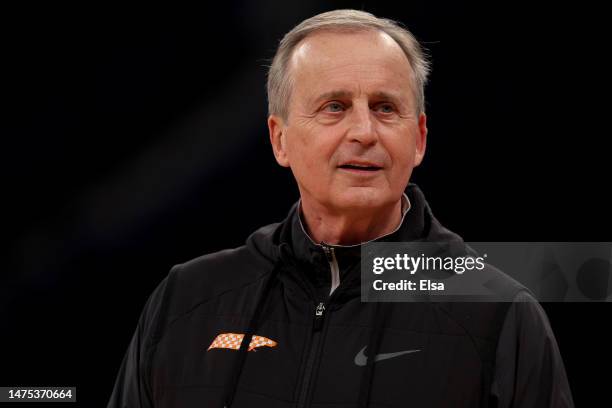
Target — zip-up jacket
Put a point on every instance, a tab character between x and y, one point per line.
279	323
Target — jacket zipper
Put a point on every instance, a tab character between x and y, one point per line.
330	254
318	331
315	342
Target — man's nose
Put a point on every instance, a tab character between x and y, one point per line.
362	126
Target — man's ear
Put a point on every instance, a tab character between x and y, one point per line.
421	140
277	139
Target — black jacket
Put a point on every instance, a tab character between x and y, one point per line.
305	348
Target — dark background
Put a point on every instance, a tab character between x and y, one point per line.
136	139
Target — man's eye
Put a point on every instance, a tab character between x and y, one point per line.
333	107
386	108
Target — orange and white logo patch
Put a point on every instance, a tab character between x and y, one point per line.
232	341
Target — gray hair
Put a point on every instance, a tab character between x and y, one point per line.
280	82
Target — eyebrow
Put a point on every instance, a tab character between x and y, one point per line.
340	94
336	94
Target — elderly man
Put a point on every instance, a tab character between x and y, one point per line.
279	321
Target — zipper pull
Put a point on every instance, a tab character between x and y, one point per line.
319	315
327	251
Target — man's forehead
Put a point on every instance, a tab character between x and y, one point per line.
333	44
321	62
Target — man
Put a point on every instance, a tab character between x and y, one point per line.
278	322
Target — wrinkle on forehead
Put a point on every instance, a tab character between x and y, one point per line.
315	44
321	60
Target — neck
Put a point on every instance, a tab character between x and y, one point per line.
350	228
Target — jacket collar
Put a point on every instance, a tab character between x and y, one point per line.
405	208
312	256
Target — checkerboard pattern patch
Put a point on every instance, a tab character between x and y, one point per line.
232	341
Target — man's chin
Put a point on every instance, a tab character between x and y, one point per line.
362	199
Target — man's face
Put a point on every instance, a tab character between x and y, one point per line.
352	135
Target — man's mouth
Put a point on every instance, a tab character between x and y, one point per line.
369	167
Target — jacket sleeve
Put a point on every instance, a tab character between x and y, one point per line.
132	386
529	370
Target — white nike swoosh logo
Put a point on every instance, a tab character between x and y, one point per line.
361	359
